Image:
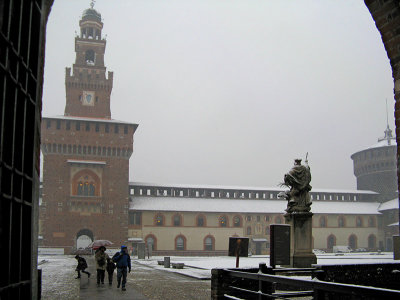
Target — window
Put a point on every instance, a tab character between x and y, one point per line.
359	222
258	218
87	126
135	218
97	128
159	220
371	221
278	220
341	222
248	218
68	125
200	221
78	126
107	128
322	221
267	230
48	124
223	221
180	243
266	218
58	124
89	56
353	241
116	128
236	221
126	129
209	243
177	220
248	230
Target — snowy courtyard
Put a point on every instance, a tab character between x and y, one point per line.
58	271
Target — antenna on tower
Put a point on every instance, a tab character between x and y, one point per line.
92	3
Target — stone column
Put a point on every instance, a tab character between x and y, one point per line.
301	255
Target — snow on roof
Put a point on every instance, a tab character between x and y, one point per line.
245	206
384	143
391	204
101	120
394	224
249	188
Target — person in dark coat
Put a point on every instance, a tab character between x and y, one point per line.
123	261
110	270
82	265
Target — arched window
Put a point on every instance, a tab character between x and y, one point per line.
371	242
89	57
322	221
159	220
331	241
176	220
237	221
248	230
151	240
278	220
341	222
359	221
180	243
371	221
353	241
209	243
86	183
223	221
201	221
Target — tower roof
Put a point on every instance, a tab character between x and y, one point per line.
91	14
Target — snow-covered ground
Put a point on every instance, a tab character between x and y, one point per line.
58	271
200	267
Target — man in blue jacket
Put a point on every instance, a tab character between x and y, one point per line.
123	261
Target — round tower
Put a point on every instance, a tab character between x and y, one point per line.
376	169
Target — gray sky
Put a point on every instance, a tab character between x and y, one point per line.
230	92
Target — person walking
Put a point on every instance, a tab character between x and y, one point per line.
82	265
101	263
110	270
123	261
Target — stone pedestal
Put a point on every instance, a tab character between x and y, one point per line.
301	255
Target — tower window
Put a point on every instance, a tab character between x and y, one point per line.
89	57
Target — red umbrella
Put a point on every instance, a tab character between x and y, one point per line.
98	243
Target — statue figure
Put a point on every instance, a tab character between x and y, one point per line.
298	180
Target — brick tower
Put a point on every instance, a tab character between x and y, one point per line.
86	153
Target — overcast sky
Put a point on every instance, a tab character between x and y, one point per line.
230	92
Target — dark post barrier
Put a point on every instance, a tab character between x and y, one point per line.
218	284
39	280
264	286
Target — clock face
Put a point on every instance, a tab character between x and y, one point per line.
87	98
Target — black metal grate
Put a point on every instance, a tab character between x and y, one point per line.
20	106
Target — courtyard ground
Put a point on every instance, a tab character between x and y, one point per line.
148	280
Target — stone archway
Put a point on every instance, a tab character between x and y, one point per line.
83	238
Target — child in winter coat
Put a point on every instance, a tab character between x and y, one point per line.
110	270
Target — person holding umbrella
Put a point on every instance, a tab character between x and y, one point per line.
101	264
123	261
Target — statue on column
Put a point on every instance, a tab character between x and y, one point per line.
298	180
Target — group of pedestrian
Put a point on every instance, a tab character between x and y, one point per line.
120	261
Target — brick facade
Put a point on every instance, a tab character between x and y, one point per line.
86	153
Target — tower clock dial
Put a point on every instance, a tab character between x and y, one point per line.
88	98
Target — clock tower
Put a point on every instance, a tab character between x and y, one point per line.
87	88
85	194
